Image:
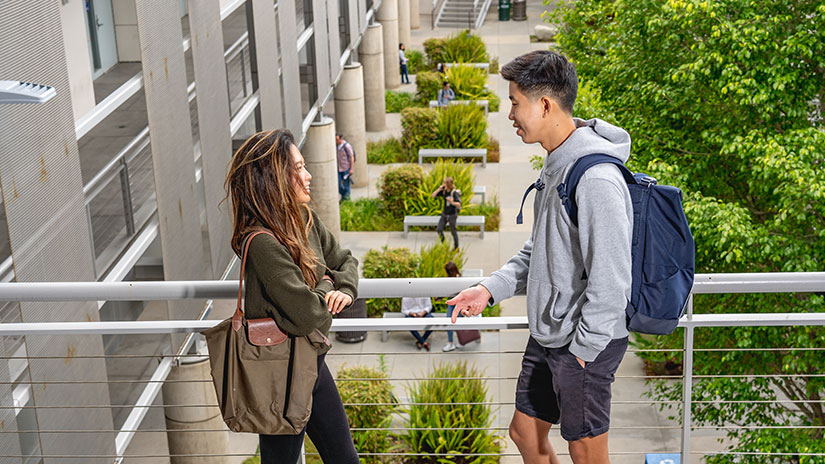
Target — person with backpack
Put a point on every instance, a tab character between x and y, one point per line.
346	163
452	205
577	277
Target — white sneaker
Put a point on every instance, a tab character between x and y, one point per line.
448	347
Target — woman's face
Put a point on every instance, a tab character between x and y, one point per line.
300	176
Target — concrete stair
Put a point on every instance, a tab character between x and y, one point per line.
458	13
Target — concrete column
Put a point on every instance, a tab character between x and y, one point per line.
388	17
415	15
350	119
404	22
187	387
320	158
371	54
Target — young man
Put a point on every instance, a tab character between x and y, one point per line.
402	61
577	278
346	162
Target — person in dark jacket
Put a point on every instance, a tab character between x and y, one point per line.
452	204
300	278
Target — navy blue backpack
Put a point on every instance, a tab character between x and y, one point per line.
663	250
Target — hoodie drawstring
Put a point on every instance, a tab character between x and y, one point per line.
539	186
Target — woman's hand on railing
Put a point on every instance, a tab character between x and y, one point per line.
337	301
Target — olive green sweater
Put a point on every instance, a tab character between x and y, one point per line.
276	288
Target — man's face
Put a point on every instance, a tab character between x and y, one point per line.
530	117
337	140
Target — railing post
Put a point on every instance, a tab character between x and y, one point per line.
243	74
91	238
126	191
687	385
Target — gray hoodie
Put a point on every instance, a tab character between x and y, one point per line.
577	278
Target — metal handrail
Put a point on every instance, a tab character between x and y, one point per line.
438	8
770	282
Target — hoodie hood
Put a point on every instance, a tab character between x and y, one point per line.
591	136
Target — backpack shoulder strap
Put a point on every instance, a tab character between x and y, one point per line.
567	190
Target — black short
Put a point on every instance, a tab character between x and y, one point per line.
553	387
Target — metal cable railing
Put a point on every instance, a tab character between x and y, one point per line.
493	353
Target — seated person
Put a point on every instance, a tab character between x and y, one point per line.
418	307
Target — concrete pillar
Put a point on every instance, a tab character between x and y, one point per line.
415	15
187	387
319	155
388	17
350	119
371	54
404	22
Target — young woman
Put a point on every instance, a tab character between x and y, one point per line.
300	278
452	271
452	204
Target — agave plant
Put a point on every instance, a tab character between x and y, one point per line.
467	82
465	48
462	126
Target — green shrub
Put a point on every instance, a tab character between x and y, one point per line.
386	151
398	185
494	65
428	83
388	263
490	210
434	48
461	126
465	48
493	150
467	81
420	203
457	422
378	416
367	214
435	256
419	129
397	101
416	61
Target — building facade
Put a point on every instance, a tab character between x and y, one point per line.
120	176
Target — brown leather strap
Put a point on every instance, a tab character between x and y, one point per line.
237	318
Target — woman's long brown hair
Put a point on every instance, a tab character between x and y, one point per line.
260	185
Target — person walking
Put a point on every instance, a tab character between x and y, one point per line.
452	204
402	61
578	277
445	95
346	163
452	271
300	277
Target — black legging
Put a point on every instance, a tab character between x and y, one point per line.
327	428
442	221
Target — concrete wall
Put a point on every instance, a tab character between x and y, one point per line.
77	57
126	30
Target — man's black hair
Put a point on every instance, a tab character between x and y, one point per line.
445	83
543	72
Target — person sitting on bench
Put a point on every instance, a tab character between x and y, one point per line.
418	307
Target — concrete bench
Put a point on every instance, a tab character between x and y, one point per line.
484	103
393	315
477	221
484	66
482	191
472	273
453	153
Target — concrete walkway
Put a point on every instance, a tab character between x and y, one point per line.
637	427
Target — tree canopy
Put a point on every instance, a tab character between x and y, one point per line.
724	99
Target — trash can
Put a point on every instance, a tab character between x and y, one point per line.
519	10
356	310
504	10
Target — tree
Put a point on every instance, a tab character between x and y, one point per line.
724	99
